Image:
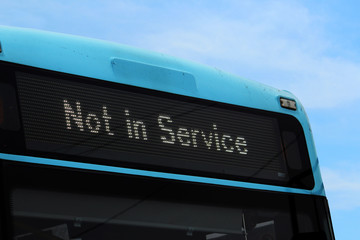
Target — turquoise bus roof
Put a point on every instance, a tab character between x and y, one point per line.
117	63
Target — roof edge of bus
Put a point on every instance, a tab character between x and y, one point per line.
104	60
79	55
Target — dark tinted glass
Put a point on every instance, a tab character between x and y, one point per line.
50	203
80	119
132	125
9	118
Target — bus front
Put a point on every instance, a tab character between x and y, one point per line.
99	141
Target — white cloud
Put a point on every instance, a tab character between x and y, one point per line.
279	43
342	187
341	181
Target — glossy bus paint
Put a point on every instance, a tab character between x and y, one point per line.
121	64
101	140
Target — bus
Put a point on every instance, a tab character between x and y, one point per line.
104	141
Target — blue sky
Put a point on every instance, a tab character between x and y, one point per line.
310	48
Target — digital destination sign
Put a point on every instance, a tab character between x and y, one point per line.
120	125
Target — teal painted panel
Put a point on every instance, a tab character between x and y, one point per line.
154	77
123	64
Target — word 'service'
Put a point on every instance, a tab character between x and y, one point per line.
170	133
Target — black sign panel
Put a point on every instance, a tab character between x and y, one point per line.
133	127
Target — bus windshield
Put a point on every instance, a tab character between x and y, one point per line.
82	205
